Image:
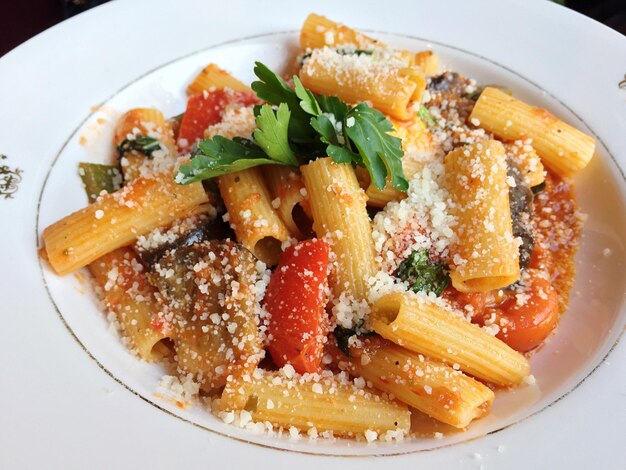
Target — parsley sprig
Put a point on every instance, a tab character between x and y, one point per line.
295	126
219	156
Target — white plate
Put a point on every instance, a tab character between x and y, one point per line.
72	389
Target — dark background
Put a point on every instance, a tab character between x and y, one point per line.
23	19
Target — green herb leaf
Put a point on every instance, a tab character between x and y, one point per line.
141	143
272	133
334	106
341	155
273	89
368	129
378	151
220	156
425	116
325	125
307	99
422	275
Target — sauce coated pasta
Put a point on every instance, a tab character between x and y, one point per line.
331	252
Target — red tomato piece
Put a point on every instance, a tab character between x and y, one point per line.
295	300
525	325
206	109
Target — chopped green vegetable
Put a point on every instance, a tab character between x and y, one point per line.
98	178
308	126
219	156
425	116
422	275
141	143
272	133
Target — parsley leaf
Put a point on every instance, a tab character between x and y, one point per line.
326	127
219	156
423	275
273	89
308	102
334	106
272	133
368	129
341	155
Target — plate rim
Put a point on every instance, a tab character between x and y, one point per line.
99	391
41	264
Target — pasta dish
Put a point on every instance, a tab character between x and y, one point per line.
335	251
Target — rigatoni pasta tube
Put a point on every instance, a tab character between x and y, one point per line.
357	77
212	76
249	206
421	325
115	220
429	386
125	291
318	31
147	122
428	61
326	405
486	256
563	148
289	199
144	122
340	215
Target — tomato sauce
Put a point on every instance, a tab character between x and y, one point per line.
557	229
